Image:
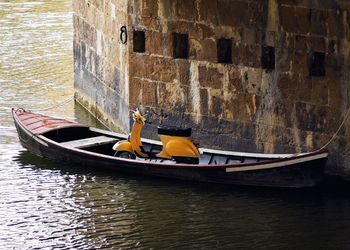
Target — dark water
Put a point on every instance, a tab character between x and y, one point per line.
46	205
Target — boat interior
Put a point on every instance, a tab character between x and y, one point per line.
101	141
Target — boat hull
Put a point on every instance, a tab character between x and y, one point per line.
296	174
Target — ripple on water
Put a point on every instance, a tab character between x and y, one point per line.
36	68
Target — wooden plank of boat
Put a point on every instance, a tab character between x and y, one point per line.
288	161
245	154
89	142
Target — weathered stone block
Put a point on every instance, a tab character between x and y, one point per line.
318	22
234	73
153	68
245	131
216	105
149	94
77	57
172	96
251	36
150	23
283	59
256	14
303	91
288	84
165	9
300	63
97	4
317	44
236	33
333	46
77	24
238	144
82	9
225	10
288	18
143	92
246	55
319	5
319	91
117	80
88	34
335	90
154	43
108	10
99	66
149	8
204	50
208	11
252	81
185	10
137	66
91	12
202	31
335	26
227	127
301	42
271	39
312	117
210	77
209	123
182	27
204	97
287	40
180	119
162	69
334	65
183	71
230	110
302	20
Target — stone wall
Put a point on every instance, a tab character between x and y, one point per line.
101	60
252	75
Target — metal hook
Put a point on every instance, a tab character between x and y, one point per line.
123	35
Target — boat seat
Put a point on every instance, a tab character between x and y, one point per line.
89	142
175	131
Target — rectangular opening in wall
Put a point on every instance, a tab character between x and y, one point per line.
317	64
268	57
180	45
139	38
224	49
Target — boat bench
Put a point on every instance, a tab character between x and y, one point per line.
89	142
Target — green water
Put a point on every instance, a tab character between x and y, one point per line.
47	205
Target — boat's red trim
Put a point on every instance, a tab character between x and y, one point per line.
40	124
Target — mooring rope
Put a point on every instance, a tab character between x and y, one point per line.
94	115
55	106
338	130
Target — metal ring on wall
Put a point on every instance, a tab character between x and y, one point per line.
123	35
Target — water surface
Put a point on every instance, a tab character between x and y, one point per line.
49	205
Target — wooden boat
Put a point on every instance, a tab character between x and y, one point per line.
69	141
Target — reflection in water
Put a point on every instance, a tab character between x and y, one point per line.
127	211
51	205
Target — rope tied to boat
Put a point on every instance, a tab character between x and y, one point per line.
338	130
60	104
